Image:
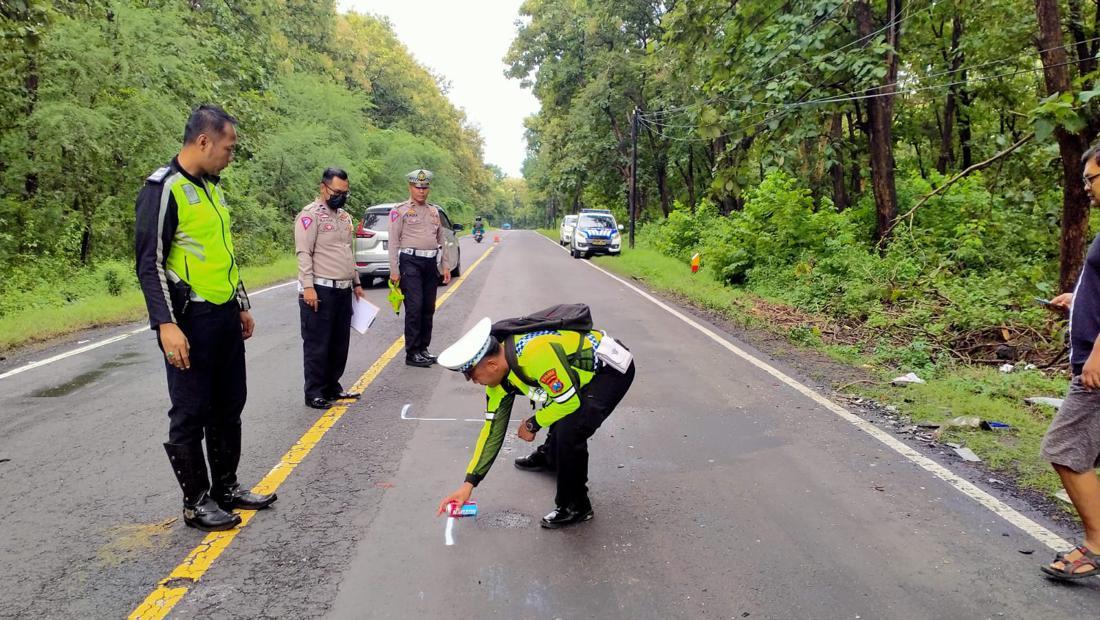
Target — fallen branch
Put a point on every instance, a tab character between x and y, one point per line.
974	168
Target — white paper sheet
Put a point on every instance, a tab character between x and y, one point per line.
363	313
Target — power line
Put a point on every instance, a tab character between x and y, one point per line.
816	24
904	16
787	108
856	95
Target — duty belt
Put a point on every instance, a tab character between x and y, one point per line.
420	253
333	283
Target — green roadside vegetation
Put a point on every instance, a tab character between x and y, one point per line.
96	99
952	389
105	295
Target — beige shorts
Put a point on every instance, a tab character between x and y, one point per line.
1073	439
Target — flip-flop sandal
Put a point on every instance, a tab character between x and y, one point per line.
1069	572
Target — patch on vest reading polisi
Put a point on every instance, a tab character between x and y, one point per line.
550	380
191	193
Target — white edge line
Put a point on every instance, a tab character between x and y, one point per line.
967	488
61	356
448	534
96	345
271	288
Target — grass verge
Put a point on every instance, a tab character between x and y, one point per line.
95	306
951	390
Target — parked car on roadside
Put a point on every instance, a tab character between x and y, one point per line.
372	258
596	232
565	230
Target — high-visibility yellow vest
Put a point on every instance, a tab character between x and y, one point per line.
202	249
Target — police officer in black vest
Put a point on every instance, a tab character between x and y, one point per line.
200	311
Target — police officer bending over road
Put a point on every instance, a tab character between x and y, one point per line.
575	374
417	260
327	279
199	308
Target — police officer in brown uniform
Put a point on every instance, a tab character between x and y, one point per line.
417	261
327	280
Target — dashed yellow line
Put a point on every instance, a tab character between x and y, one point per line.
171	589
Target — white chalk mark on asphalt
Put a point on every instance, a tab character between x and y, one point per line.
448	534
105	342
1003	510
405	416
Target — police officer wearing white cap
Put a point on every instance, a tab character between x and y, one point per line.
574	381
417	260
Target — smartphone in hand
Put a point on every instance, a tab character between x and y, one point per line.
1042	302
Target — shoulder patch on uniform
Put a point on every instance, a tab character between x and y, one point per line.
306	221
192	193
550	380
395	214
158	174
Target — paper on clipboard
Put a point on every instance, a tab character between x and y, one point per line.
363	313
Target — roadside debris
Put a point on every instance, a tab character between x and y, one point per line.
907	379
1006	368
1044	400
1062	495
968	455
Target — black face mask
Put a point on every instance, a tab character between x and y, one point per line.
337	201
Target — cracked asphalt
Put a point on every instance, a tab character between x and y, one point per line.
718	491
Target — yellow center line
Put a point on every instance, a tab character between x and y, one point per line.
172	588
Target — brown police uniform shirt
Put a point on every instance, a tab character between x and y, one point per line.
417	227
324	240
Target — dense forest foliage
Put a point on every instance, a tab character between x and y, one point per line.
94	95
911	164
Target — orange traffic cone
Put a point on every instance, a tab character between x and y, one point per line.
496	238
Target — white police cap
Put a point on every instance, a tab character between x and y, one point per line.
469	349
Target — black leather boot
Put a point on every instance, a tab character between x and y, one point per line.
224	447
536	461
564	516
200	511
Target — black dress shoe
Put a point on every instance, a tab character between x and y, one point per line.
206	515
416	359
318	403
345	395
427	355
564	516
236	497
536	461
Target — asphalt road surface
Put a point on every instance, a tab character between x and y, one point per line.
720	490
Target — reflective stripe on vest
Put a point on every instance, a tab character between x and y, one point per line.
202	248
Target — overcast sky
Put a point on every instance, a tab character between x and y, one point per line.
466	42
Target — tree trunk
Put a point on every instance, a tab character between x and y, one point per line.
660	174
836	136
1071	146
688	175
955	59
86	234
30	83
880	113
965	134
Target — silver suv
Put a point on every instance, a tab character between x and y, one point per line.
565	231
372	243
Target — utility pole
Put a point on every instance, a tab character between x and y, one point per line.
633	172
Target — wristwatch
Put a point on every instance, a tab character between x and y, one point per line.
531	425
